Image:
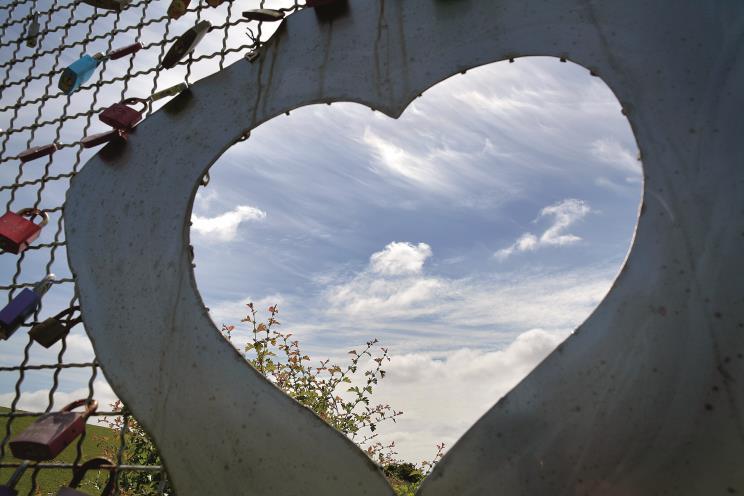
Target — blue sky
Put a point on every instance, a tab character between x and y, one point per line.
470	236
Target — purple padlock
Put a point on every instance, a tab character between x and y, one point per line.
22	306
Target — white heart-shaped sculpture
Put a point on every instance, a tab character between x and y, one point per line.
645	398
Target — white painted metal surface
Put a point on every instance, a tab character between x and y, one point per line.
645	398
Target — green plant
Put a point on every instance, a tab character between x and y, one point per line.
339	394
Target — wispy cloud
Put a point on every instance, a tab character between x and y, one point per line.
224	227
564	214
611	152
428	170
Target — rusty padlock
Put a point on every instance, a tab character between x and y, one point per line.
16	231
37	152
53	329
8	489
177	8
120	116
80	472
52	432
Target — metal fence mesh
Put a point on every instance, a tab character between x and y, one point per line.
34	112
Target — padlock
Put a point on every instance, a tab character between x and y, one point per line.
22	306
264	15
33	30
115	5
124	51
79	475
53	329
328	10
52	432
16	231
79	72
185	44
101	138
214	3
8	489
120	116
172	91
177	8
37	152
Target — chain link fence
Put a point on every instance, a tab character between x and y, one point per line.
38	40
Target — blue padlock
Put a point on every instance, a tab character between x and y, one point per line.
79	72
22	306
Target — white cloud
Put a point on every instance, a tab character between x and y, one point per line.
37	401
399	258
443	395
422	170
366	294
392	282
616	155
564	214
225	227
435	305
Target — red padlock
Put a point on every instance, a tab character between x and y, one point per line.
52	432
120	116
16	231
37	152
124	51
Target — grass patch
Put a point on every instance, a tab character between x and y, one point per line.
48	481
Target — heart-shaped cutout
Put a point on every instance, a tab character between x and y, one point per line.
413	230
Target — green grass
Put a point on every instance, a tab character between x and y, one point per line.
49	481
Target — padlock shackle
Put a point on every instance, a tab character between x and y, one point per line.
41	287
33	212
69	321
90	408
94	463
17	474
134	99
